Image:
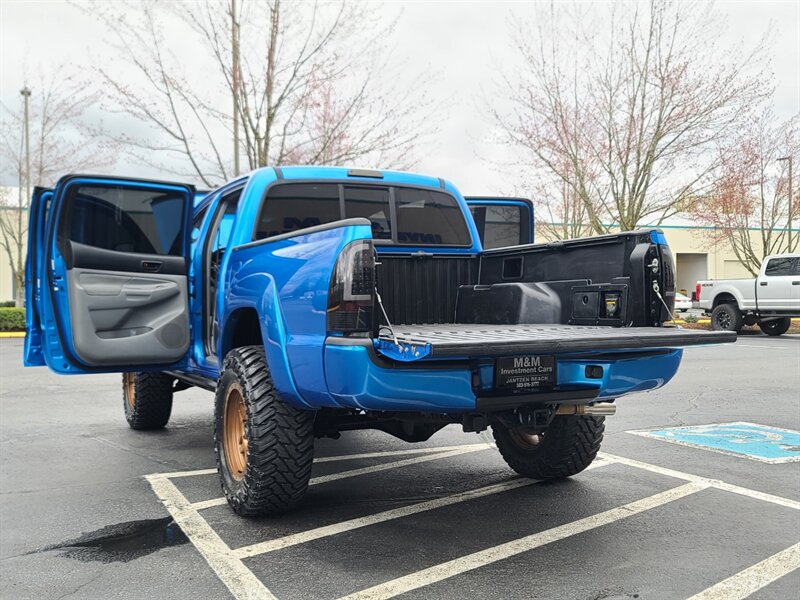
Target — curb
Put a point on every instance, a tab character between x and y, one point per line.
12	334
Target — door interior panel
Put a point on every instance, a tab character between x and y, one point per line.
130	318
89	257
116	267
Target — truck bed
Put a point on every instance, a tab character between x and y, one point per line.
453	340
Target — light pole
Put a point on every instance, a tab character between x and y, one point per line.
235	84
791	198
26	94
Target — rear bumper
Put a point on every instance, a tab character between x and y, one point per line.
357	377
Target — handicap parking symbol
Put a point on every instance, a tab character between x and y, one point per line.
750	440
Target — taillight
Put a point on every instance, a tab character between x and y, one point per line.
352	289
697	288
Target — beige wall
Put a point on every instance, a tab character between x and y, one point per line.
6	280
6	290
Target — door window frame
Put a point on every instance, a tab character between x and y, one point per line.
234	194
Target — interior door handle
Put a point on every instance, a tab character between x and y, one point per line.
152	266
763	283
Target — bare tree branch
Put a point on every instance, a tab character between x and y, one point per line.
312	86
630	121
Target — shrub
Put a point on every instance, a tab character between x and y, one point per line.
691	319
12	319
7	304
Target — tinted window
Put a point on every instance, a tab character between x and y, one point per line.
370	203
499	226
294	206
426	217
197	224
142	221
780	266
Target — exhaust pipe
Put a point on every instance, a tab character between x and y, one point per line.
590	410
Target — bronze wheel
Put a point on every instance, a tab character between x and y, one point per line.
526	438
129	381
147	399
264	447
566	447
235	431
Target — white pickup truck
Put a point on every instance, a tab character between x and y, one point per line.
770	300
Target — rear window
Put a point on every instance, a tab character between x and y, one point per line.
424	217
370	203
294	206
124	219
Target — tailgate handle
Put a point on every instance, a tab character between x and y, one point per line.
796	283
151	266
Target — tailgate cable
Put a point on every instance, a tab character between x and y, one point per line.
388	322
657	290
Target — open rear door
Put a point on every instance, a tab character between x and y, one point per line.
502	222
37	217
113	270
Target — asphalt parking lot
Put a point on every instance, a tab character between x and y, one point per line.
92	509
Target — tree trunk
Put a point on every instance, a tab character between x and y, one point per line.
19	292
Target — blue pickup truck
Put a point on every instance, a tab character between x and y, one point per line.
315	300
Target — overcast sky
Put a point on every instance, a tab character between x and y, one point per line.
460	41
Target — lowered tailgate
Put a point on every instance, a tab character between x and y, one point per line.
459	340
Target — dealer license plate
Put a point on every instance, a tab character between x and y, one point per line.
527	372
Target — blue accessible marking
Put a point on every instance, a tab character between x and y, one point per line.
753	441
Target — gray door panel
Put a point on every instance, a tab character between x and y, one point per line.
128	318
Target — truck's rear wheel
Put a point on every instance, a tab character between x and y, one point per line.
147	398
726	317
264	447
565	448
775	326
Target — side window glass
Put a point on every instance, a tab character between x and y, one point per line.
223	235
293	206
370	203
197	225
503	226
779	266
124	219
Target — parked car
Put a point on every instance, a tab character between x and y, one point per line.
682	303
769	301
315	301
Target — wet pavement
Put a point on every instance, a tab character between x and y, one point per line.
92	509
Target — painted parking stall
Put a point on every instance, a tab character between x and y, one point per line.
750	440
263	569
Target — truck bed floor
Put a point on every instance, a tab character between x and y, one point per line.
451	340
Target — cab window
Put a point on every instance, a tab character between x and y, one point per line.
777	267
124	219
